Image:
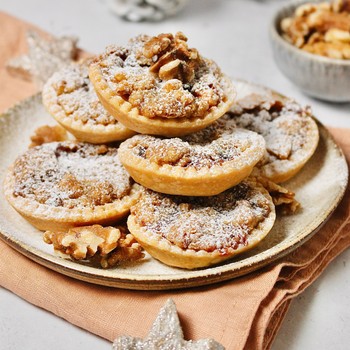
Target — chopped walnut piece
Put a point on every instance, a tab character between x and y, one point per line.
321	28
128	250
334	34
341	5
172	58
88	191
332	50
46	134
102	149
167	153
281	196
157	45
176	70
107	245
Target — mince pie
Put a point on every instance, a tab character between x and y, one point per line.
204	163
60	185
194	232
160	86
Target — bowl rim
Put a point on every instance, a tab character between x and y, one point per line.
275	35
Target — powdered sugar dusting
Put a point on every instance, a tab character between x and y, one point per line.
286	127
219	143
75	94
72	175
127	72
218	223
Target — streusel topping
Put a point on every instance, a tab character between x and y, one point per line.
218	143
71	175
75	94
285	126
163	77
217	223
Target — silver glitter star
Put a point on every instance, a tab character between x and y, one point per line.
44	57
165	334
146	10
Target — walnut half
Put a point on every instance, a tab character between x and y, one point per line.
46	134
171	57
108	246
282	198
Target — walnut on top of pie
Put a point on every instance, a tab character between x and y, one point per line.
158	85
60	185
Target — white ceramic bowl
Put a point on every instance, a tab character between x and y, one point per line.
321	77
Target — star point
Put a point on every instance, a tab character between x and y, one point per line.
44	57
165	334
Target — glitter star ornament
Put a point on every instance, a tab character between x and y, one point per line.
146	10
165	334
44	57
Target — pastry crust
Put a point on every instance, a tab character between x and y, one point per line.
60	200
202	164
70	98
195	232
166	105
290	132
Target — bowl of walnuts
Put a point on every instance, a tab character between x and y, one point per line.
311	46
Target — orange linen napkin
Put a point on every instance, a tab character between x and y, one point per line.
244	313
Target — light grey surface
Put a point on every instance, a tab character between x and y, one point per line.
235	34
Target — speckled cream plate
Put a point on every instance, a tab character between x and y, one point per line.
319	187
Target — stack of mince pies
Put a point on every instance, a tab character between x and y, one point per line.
161	141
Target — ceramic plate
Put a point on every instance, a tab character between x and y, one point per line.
319	187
